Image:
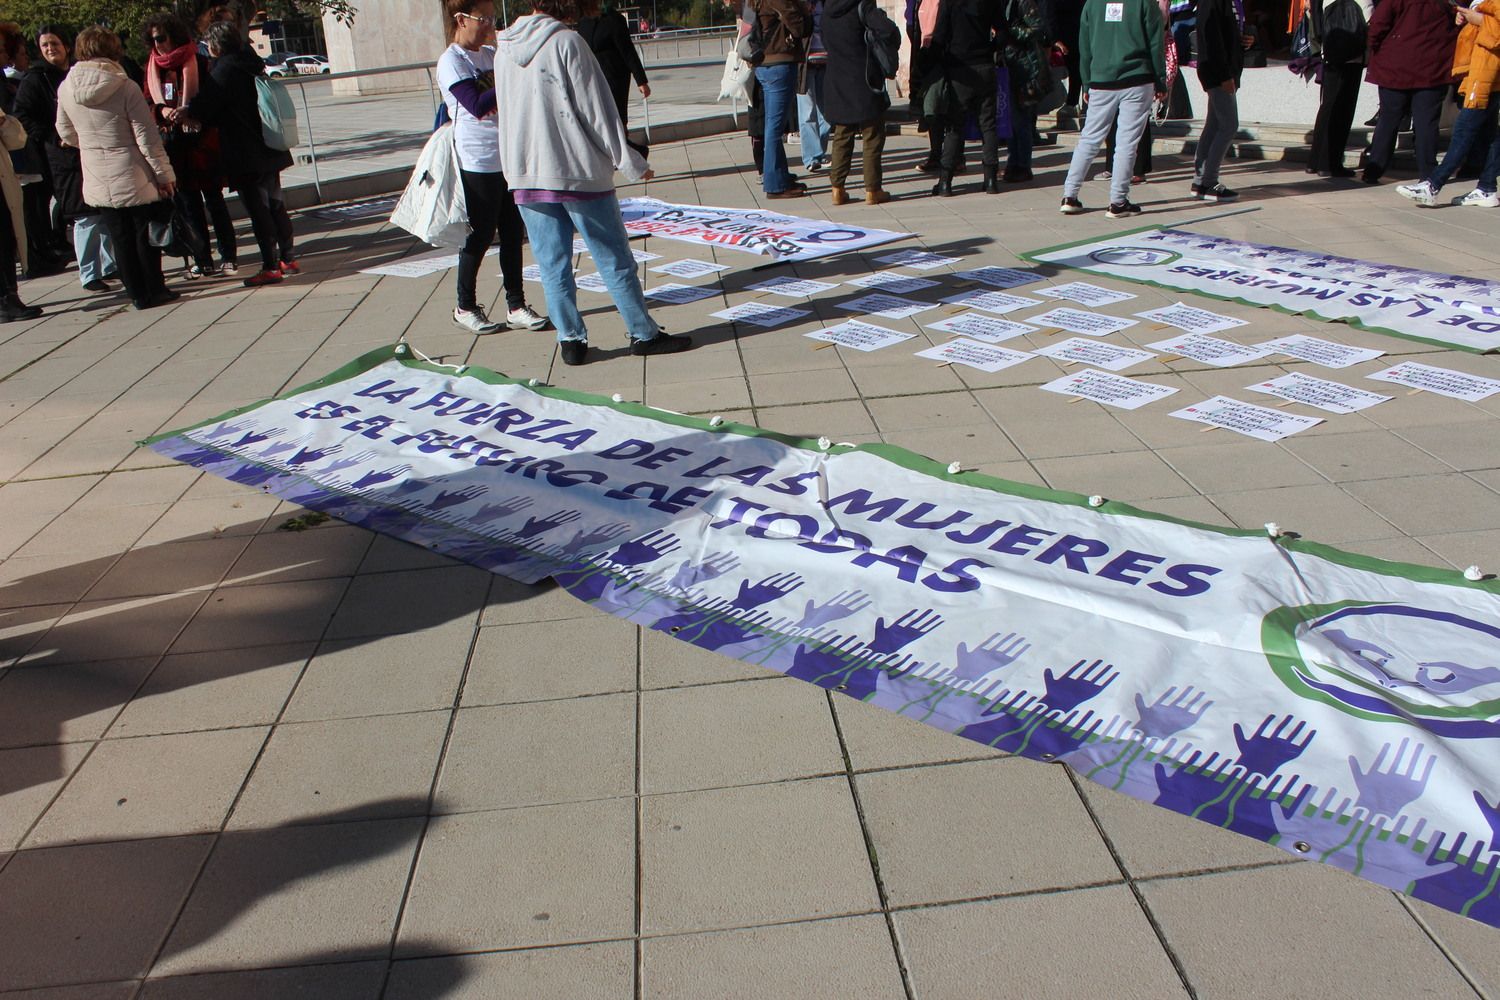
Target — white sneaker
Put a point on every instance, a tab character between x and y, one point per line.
525	318
475	320
1421	192
1479	198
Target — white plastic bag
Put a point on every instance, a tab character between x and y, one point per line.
432	207
736	80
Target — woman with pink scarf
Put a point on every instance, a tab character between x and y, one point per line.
175	73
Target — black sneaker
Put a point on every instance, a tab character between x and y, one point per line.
1122	210
662	343
1217	193
1071	206
97	285
574	352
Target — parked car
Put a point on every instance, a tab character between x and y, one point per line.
295	65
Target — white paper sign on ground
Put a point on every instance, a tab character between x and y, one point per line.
1085	294
922	260
1190	319
1319	352
981	327
1099	353
859	336
679	294
1254	421
890	281
1443	381
752	230
592	283
995	302
690	268
421	265
1209	350
889	306
1325	395
1081	321
986	357
760	314
1000	277
1113	390
792	288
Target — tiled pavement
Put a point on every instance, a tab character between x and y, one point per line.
244	762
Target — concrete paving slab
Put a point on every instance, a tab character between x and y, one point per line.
513	663
66	703
569	972
218	690
297	611
343	981
667	662
30	777
382	675
876	739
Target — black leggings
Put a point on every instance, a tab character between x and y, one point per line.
261	195
191	204
492	208
138	261
7	249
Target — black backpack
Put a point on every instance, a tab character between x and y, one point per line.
882	39
1342	30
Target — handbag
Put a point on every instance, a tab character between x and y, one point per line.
736	79
161	225
432	207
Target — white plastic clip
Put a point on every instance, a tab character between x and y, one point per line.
618	398
1273	529
824	443
1473	573
716	421
533	382
1096	501
400	348
954	468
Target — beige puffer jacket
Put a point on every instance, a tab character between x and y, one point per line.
104	114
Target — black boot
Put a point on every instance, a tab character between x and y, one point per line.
991	178
944	187
13	310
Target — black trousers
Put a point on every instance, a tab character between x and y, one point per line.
1335	114
138	262
192	205
36	204
1142	151
269	221
7	249
1425	107
974	94
492	209
1072	62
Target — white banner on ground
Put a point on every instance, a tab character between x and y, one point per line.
1259	422
1446	309
981	327
1190	319
860	336
988	358
753	230
1335	397
1209	350
1319	352
1081	321
1443	381
1099	353
999	303
1343	708
1085	294
1113	390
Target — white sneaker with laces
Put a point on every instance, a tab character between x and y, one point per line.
475	320
1480	198
1421	192
524	317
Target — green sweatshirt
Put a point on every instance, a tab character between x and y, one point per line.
1121	44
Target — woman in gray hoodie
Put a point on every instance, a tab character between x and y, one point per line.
561	141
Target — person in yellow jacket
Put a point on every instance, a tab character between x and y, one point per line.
1477	60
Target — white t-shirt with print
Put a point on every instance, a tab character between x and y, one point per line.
478	139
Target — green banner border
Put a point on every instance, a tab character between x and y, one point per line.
403	353
1034	257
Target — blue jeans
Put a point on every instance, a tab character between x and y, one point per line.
777	85
814	128
1466	131
598	222
91	244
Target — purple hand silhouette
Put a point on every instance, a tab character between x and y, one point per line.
410	487
586	539
648	548
373	478
445	499
1386	790
841	605
1446	677
1491	814
905	630
1169	714
825	660
1079	683
277	448
255	438
537	525
314	454
1264	752
251	475
690	574
994	653
346	463
770	589
224	430
497	511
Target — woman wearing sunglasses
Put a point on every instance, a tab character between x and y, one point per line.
466	75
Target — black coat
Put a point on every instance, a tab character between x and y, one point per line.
853	90
965	33
608	36
36	107
1220	47
232	106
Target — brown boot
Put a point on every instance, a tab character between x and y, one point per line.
840	196
877	197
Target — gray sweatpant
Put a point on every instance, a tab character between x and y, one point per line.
1133	107
1219	126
